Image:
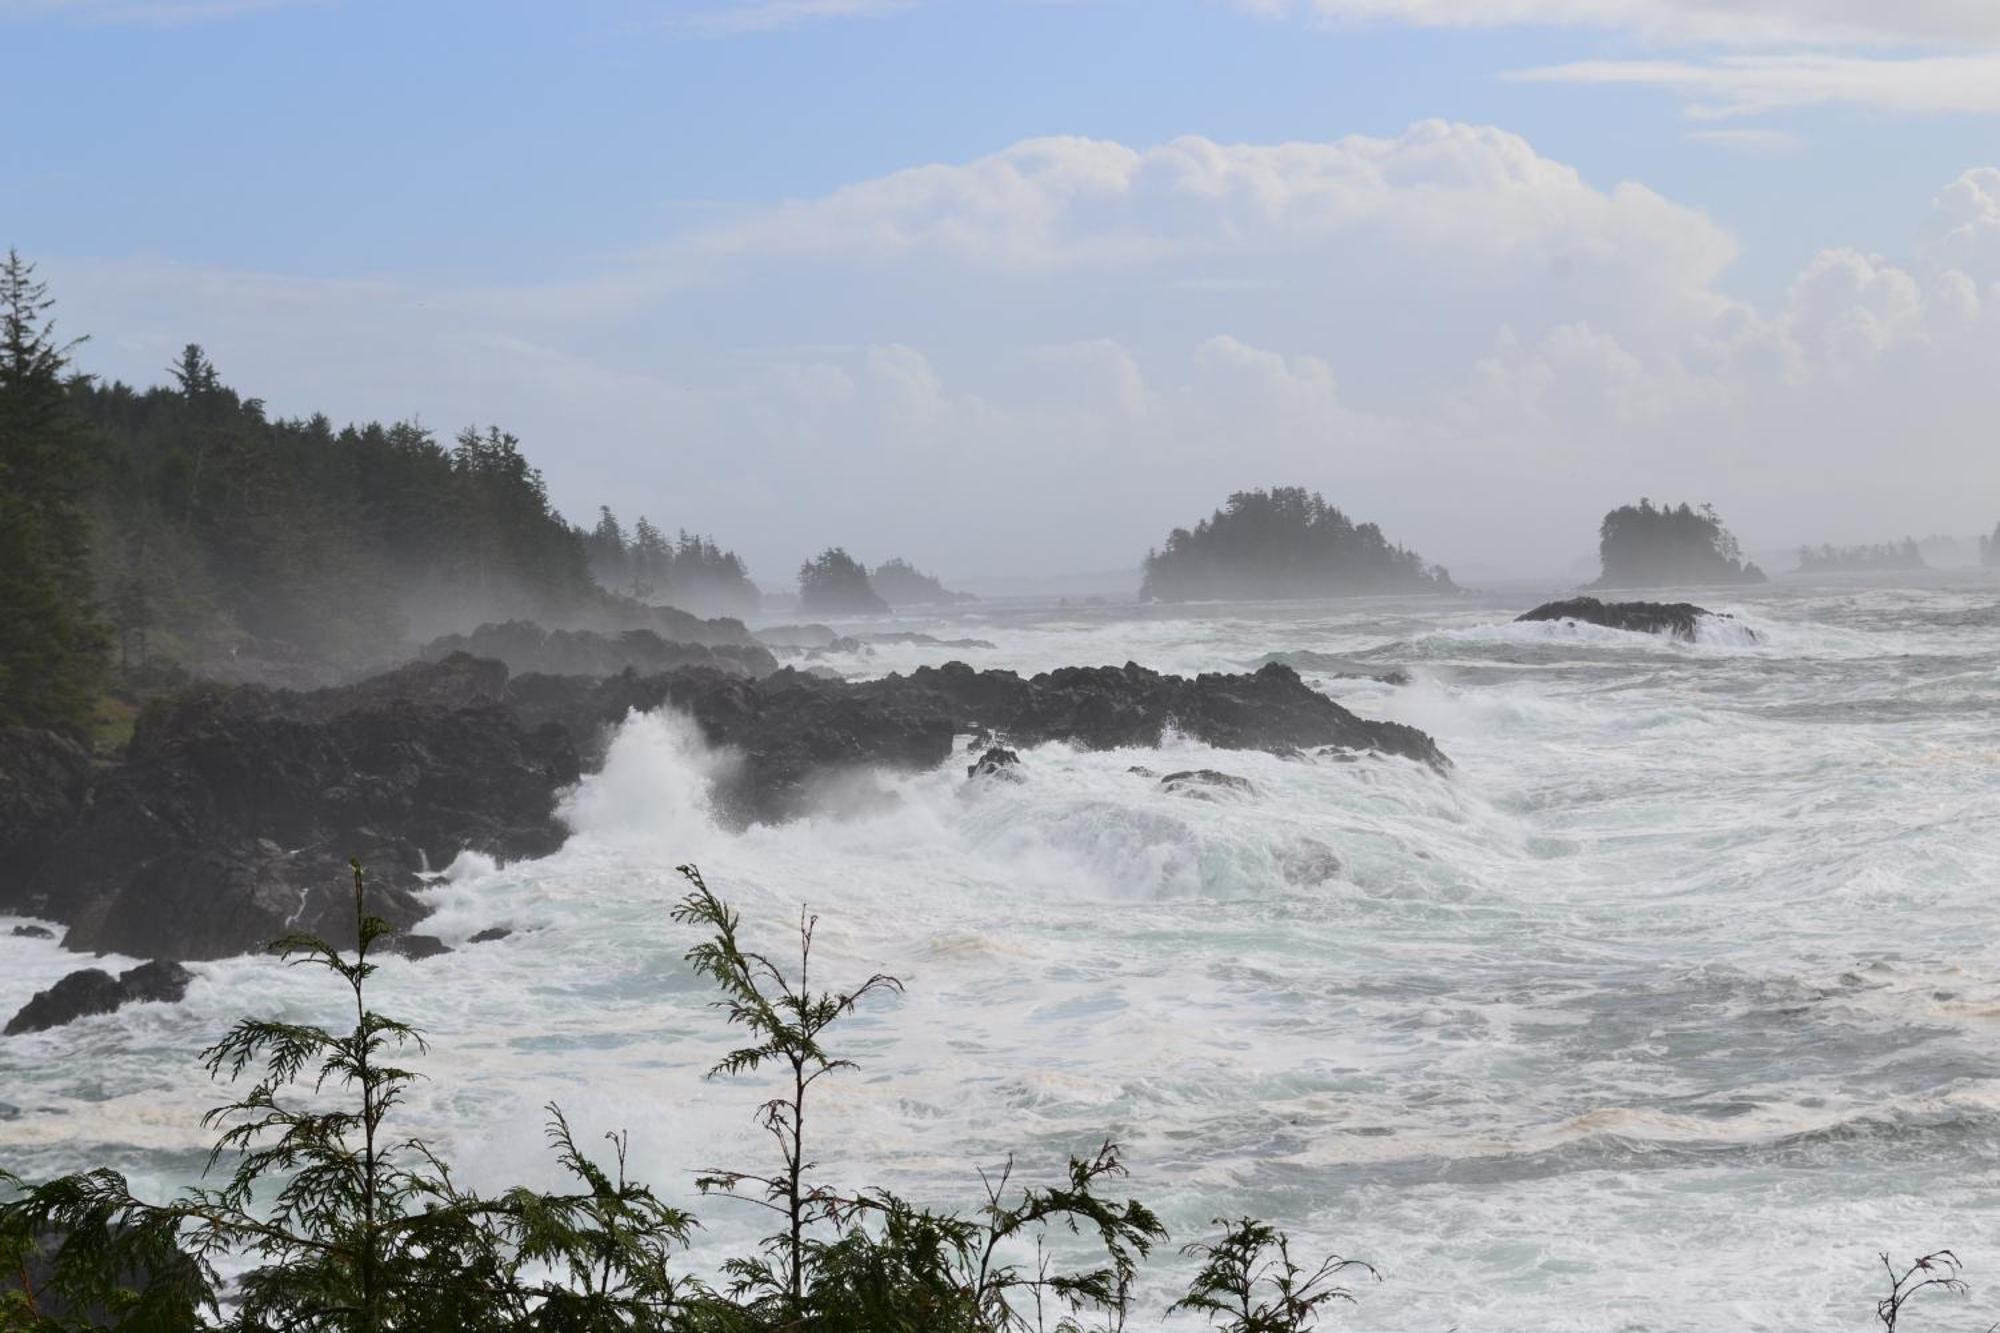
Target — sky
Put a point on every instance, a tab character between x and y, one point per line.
1016	286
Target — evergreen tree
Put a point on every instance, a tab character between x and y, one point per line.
1284	542
52	645
835	583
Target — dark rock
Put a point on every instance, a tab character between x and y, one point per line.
32	933
95	991
1338	668
234	816
996	763
490	935
1307	861
796	636
1140	770
1206	784
524	646
42	781
416	948
1676	620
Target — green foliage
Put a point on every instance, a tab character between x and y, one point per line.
52	645
835	583
1249	1282
1640	545
1284	542
343	1227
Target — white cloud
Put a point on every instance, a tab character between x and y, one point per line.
1091	342
1762	142
745	16
1729	22
1753	84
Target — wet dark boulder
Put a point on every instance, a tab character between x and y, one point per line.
1674	620
95	991
232	820
1207	784
415	947
32	933
997	762
43	777
491	935
1105	708
523	647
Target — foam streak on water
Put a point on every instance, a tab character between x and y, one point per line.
1666	1010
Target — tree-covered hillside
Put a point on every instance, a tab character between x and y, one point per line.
1284	542
1646	546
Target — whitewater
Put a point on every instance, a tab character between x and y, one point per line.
1669	1007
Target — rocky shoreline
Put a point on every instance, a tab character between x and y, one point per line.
231	816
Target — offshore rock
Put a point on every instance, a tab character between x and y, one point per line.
1675	620
95	991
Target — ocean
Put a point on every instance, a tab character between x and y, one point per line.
1669	1007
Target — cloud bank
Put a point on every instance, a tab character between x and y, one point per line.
1042	359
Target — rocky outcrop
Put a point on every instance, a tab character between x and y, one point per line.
95	991
1675	620
997	762
1207	784
42	781
524	646
233	818
1338	668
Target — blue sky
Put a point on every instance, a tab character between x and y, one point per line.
594	189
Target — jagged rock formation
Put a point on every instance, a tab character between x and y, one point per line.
95	991
232	818
525	646
1675	620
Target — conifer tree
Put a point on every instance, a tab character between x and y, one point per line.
52	646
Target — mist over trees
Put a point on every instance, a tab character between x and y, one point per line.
690	572
1989	549
835	583
1281	543
1903	555
900	583
1644	546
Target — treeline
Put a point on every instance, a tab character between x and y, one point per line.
1646	546
690	572
149	533
1989	549
835	583
1283	543
1903	555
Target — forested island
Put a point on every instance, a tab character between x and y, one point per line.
1901	556
1286	542
1989	549
1644	546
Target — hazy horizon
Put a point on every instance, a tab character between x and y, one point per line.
1011	290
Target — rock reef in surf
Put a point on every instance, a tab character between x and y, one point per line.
232	817
525	646
1674	620
95	991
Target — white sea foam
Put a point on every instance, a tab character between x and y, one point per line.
1687	968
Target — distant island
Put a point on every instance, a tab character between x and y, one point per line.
1989	549
1903	555
835	583
1643	546
900	583
1285	542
